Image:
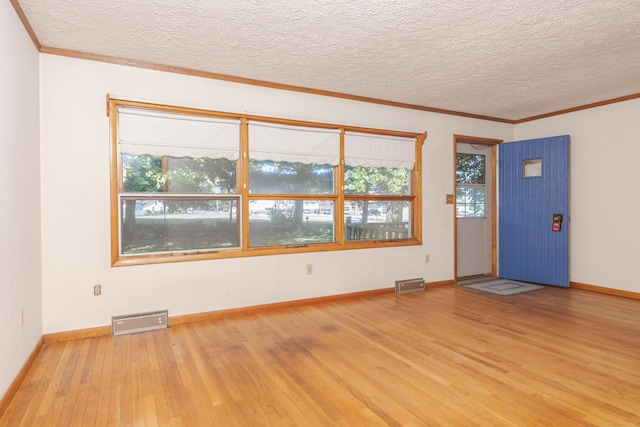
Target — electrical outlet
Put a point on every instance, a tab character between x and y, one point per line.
426	259
21	317
97	290
309	269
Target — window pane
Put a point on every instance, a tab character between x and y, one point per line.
470	202
142	174
470	168
377	220
377	180
532	168
290	222
145	174
267	177
203	175
164	225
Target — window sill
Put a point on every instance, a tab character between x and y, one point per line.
277	250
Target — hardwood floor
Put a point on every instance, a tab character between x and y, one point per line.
445	357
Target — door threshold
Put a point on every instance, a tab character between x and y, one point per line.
466	280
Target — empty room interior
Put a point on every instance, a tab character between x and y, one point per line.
319	213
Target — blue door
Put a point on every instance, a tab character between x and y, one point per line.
533	194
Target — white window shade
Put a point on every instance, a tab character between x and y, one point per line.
281	143
143	132
362	149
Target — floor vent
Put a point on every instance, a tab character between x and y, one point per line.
410	285
140	322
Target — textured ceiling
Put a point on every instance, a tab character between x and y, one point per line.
500	58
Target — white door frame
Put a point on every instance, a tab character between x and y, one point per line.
494	242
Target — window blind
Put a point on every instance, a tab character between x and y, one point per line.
144	132
282	143
361	149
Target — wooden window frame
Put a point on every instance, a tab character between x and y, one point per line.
242	190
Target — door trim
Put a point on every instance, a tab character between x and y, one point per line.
465	139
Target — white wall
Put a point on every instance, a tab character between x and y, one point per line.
75	201
20	272
605	148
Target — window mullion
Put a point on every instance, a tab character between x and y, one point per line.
243	184
339	190
164	167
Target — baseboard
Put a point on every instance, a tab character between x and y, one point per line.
219	314
77	334
214	315
17	381
431	285
603	290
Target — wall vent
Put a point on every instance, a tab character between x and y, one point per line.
140	322
409	285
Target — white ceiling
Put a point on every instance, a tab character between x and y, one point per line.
510	59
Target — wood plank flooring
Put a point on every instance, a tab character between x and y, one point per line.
449	356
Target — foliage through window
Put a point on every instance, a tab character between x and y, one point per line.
192	184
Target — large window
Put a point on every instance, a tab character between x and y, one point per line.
378	187
291	171
191	184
